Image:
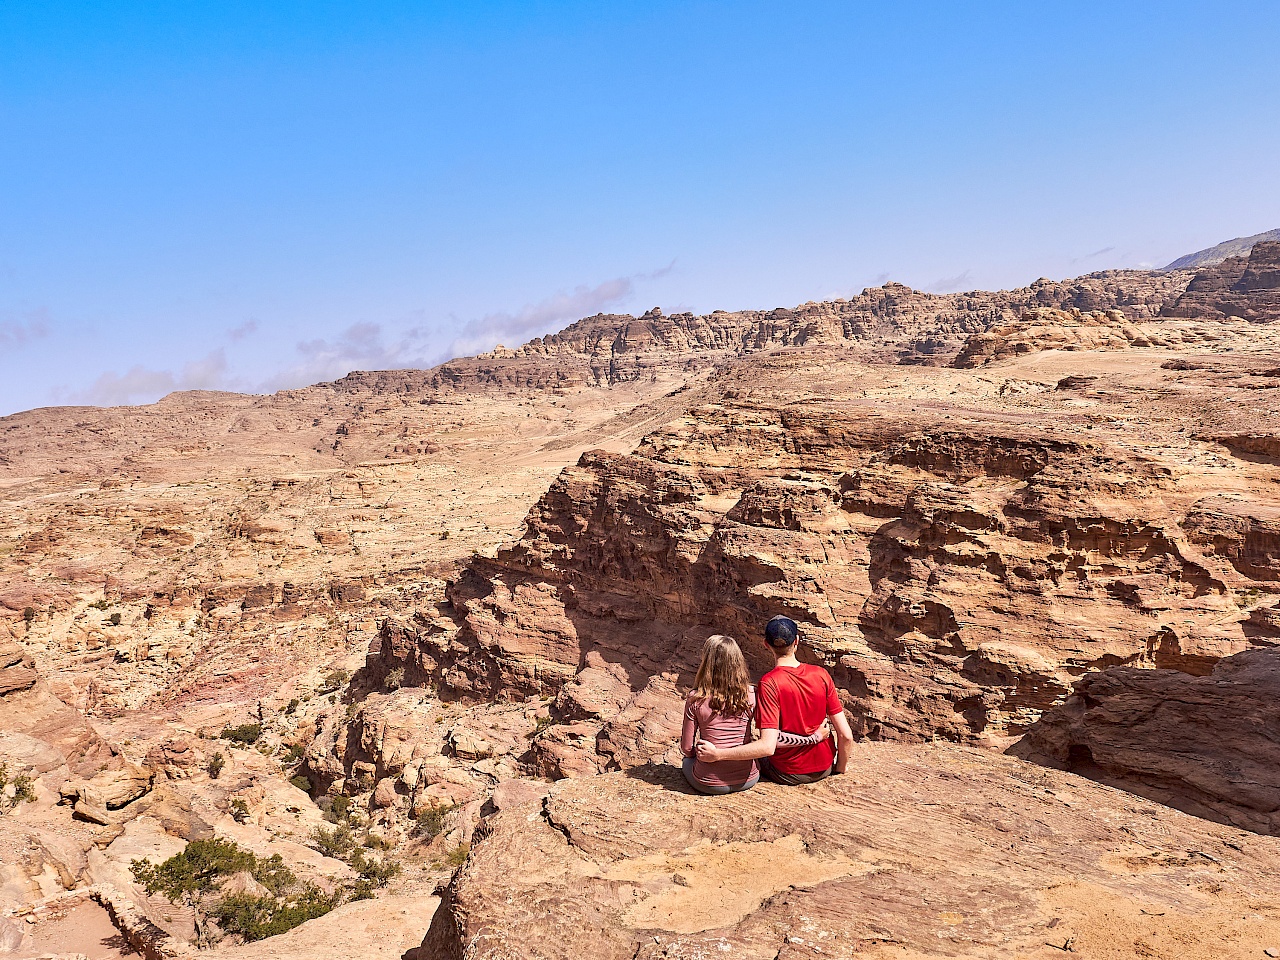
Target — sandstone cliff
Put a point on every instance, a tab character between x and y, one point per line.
958	548
1208	745
1247	287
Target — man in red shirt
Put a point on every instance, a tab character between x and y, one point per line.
792	696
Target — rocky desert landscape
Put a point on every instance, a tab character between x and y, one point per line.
394	666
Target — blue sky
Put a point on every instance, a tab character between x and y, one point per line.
262	195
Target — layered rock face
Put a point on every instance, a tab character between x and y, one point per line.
930	851
958	547
1247	287
1208	745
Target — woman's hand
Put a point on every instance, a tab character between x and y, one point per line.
707	752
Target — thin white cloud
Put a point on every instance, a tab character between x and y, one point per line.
535	319
26	328
961	281
246	329
1093	256
366	346
140	384
359	347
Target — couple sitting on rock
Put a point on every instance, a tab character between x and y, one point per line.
796	710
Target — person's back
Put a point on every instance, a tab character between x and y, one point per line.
723	729
798	697
718	711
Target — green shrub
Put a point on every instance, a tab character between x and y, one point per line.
24	790
302	783
395	679
361	889
256	918
114	619
99	605
239	811
333	680
197	868
377	871
293	753
541	724
430	823
28	614
292	708
336	809
216	764
246	733
337	843
458	855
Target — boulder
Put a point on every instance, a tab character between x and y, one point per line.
111	789
1207	745
17	672
384	794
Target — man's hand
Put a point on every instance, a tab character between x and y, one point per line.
707	752
824	729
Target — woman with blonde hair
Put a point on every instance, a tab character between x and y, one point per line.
719	711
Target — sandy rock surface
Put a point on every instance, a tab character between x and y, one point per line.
917	852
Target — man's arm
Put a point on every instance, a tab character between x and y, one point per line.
844	740
764	747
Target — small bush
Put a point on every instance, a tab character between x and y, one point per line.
99	605
256	918
395	679
372	841
216	765
197	868
24	790
292	708
337	843
430	823
28	614
333	680
541	724
361	889
293	753
302	783
377	871
239	811
246	733
458	855
114	619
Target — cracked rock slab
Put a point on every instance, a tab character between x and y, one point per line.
919	851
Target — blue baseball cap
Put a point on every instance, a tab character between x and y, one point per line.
781	632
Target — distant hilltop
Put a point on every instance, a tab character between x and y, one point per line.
1239	247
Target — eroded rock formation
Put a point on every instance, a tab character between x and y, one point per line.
1209	745
957	562
1247	287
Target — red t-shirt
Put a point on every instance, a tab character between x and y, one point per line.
797	699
